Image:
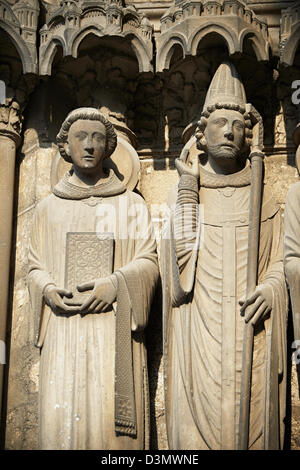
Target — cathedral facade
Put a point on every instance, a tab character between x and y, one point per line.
147	66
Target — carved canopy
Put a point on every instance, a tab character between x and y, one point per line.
289	33
68	24
187	22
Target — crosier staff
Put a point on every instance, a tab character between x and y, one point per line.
256	157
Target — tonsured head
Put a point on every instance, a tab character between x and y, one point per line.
86	135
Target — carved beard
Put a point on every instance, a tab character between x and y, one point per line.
220	152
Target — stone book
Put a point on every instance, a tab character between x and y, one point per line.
89	256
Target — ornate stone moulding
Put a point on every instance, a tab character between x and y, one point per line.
20	21
187	22
289	33
74	20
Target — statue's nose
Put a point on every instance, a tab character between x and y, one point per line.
88	143
229	134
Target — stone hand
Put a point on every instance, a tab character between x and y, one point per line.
258	305
53	297
191	168
104	293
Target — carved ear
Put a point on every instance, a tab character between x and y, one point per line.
201	144
201	141
67	148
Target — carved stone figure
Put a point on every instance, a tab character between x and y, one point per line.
225	299
93	234
291	244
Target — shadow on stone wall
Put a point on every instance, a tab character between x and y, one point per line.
155	353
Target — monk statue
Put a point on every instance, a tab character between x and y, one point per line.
225	300
92	273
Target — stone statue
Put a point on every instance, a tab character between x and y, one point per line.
92	273
292	245
208	266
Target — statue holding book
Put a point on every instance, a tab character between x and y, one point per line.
225	301
92	273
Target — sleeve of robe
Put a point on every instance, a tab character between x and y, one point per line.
181	240
179	249
292	253
141	273
275	327
38	276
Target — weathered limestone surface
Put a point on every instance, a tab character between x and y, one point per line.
24	358
33	185
157	108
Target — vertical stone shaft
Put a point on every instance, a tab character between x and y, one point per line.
8	145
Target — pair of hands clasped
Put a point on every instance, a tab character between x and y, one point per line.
103	294
258	306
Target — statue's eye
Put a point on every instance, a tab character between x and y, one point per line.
220	122
98	137
239	125
81	135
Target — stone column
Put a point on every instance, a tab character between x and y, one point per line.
9	141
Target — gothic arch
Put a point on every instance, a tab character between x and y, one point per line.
29	65
143	56
260	48
55	21
228	34
47	55
92	9
131	15
290	47
138	46
81	34
166	50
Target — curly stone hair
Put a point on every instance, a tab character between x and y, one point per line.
91	114
202	123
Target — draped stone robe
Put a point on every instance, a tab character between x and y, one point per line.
77	367
292	253
204	277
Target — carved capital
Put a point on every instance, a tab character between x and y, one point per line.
11	121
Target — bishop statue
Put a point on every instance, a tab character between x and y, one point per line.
225	300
